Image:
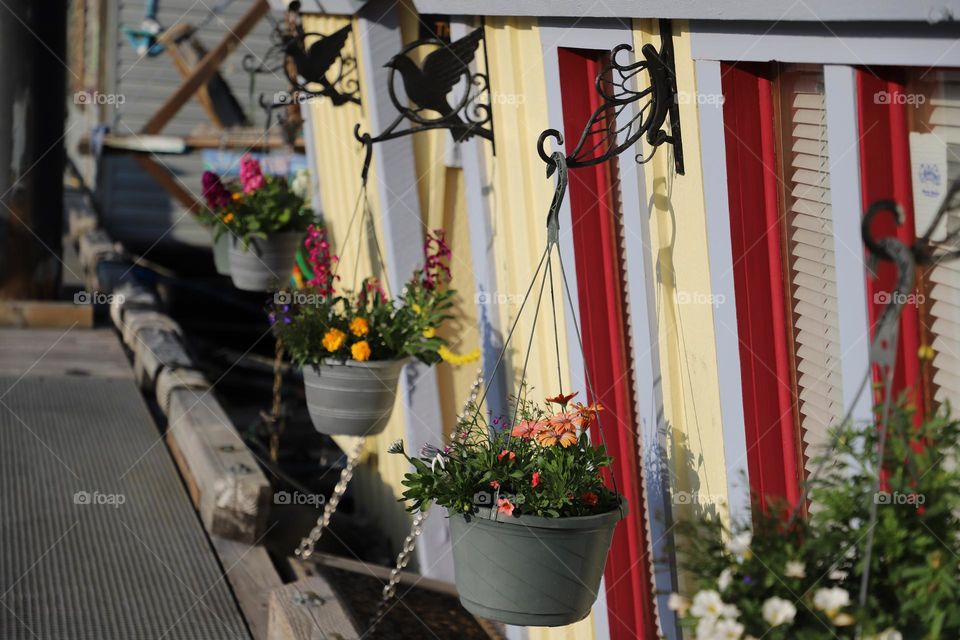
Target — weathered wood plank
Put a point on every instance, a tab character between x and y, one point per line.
308	609
234	495
252	575
45	314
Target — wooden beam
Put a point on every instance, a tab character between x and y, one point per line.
252	576
206	68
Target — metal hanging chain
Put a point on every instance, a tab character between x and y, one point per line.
275	419
416	528
307	544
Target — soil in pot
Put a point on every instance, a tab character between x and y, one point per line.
352	398
266	263
528	570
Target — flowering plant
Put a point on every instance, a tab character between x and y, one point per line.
321	324
799	578
255	206
543	464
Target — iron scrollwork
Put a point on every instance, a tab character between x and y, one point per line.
315	64
444	70
614	126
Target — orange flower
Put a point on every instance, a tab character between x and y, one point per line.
360	351
552	436
584	415
236	197
536	479
359	327
562	399
228	218
563	422
505	506
333	340
503	454
590	499
527	428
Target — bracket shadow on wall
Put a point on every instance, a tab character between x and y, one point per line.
427	86
614	126
315	65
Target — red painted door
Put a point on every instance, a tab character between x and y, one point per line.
594	205
762	320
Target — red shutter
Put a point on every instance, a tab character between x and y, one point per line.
762	320
594	205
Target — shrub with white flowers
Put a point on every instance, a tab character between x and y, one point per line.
791	576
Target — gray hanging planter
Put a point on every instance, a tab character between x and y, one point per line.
221	254
264	264
528	570
352	398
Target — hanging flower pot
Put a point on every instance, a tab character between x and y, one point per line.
221	254
351	398
529	511
528	570
353	345
258	222
265	263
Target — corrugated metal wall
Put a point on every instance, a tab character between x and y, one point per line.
138	211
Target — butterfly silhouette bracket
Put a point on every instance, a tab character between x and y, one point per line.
628	109
316	65
442	92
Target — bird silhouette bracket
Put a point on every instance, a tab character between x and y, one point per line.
442	92
628	109
316	65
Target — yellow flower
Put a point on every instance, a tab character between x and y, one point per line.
457	359
228	217
360	351
429	332
333	340
236	197
359	327
925	352
416	308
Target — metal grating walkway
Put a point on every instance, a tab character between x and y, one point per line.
98	537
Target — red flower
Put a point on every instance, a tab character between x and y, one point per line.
562	399
503	454
590	499
505	506
536	478
495	484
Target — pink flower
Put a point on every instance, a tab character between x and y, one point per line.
536	479
495	484
503	454
436	254
250	174
527	428
505	506
320	259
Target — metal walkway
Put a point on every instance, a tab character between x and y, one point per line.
98	537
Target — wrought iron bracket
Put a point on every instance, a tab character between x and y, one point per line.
315	64
618	123
427	86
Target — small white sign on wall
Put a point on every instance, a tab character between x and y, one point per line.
928	171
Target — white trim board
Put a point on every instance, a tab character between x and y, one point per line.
604	35
780	10
854	44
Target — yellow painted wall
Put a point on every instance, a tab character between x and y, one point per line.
678	233
520	195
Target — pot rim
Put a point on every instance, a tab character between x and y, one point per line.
234	239
367	364
607	518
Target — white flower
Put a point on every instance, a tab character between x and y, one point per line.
726	577
706	629
678	603
728	630
739	545
886	634
838	575
301	184
438	461
795	569
729	611
831	600
777	611
707	604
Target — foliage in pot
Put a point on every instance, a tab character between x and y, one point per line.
352	344
528	506
799	577
264	217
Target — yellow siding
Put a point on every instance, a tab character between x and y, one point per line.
519	198
678	234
